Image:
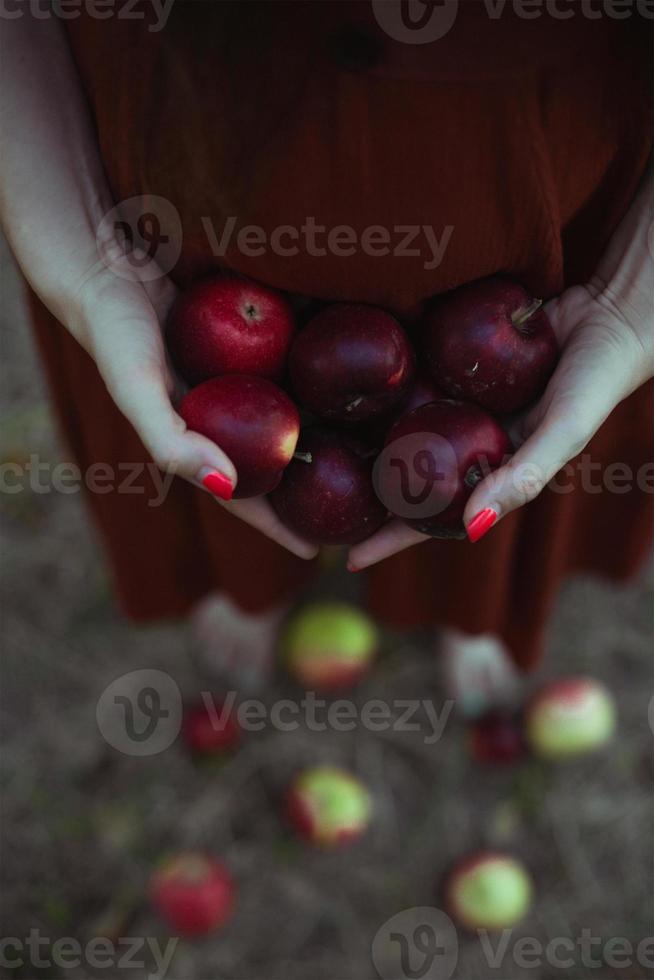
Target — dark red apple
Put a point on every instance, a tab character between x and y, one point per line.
433	458
228	325
210	729
350	363
421	391
252	420
194	893
326	493
497	738
490	342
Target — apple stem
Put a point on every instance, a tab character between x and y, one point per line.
305	457
520	317
354	404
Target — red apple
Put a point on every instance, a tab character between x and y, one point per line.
490	342
228	325
433	458
488	890
194	893
326	493
328	806
210	729
252	420
421	391
497	738
350	363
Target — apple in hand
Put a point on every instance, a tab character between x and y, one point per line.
326	493
228	325
252	420
488	890
329	646
328	806
194	893
421	391
490	342
434	457
570	717
210	729
497	738
350	363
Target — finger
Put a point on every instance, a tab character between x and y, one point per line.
392	538
257	512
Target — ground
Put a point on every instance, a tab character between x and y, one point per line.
84	823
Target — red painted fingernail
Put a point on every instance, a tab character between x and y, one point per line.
352	568
481	523
219	484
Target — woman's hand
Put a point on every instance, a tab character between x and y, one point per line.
113	307
117	320
606	334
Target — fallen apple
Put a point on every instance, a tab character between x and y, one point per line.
350	363
490	342
488	890
194	893
329	646
228	325
210	729
434	457
326	493
497	738
252	420
328	806
570	717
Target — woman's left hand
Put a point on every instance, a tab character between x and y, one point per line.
606	334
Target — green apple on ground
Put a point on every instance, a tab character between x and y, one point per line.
328	806
570	717
329	646
488	890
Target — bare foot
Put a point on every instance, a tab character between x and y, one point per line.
478	673
236	646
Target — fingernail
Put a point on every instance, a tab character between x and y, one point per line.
352	568
481	523
218	484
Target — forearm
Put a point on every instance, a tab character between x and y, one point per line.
53	190
625	276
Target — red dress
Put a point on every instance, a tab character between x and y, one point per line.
526	138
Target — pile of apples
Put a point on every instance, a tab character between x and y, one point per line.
305	412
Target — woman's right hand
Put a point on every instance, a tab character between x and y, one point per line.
113	307
118	321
